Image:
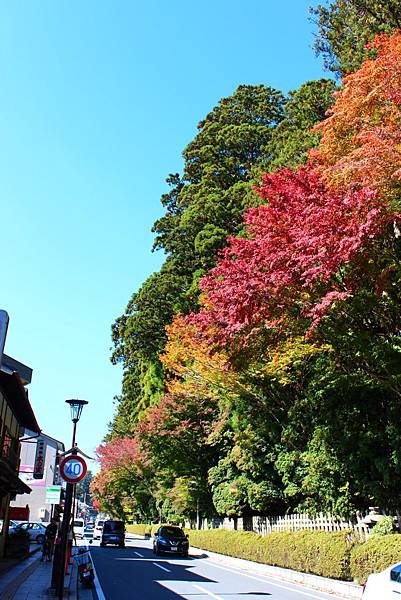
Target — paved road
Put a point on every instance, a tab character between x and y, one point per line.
134	573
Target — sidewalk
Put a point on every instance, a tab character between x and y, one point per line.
31	579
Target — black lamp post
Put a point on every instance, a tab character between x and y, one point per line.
76	407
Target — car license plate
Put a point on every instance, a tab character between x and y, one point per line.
174	549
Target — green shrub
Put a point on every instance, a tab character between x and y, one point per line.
139	529
317	552
375	555
384	527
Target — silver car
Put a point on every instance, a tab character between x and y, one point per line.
36	530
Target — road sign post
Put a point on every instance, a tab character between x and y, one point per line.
72	469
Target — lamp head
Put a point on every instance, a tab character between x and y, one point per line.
76	407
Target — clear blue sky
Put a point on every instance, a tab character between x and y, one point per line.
98	99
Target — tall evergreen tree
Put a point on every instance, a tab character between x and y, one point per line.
346	26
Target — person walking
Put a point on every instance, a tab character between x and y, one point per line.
50	537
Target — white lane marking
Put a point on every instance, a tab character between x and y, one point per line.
139	554
98	588
283	587
198	587
160	567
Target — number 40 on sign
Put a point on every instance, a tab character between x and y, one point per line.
73	469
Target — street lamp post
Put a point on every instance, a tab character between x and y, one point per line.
76	407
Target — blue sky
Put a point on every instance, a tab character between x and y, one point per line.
98	99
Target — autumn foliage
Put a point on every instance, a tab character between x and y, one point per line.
289	262
293	356
361	138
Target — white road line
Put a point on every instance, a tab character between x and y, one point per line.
98	588
160	567
198	587
283	587
139	554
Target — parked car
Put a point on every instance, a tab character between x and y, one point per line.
11	524
383	585
113	532
171	539
78	527
35	529
97	532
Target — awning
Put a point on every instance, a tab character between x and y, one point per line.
10	483
17	398
17	486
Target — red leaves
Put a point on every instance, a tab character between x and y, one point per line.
119	452
296	245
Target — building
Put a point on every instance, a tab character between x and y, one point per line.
16	415
39	471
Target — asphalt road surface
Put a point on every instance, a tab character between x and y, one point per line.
135	573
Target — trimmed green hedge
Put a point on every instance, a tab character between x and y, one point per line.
139	529
321	553
317	552
375	555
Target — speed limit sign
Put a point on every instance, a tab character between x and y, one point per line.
73	469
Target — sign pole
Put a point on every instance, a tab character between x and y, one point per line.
72	469
64	539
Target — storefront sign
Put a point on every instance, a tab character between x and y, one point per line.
39	465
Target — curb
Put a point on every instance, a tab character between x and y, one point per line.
14	578
322	584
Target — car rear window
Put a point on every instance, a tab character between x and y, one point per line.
113	527
172	532
78	523
99	524
395	574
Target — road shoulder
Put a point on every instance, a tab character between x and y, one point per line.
344	589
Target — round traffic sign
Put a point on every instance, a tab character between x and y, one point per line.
73	469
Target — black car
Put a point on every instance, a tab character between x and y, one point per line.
113	532
171	539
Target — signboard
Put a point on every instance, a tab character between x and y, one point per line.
73	469
26	474
3	331
39	464
53	494
19	513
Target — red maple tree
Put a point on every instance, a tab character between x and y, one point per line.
295	247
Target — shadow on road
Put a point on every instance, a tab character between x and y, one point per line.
124	575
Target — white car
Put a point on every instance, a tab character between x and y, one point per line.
384	585
79	528
97	532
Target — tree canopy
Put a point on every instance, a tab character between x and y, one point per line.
261	363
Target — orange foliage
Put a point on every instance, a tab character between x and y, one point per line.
193	363
361	139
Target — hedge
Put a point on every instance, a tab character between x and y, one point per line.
330	554
375	555
318	552
139	529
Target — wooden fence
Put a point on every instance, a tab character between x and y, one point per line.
295	522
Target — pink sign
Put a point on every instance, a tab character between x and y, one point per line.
26	474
